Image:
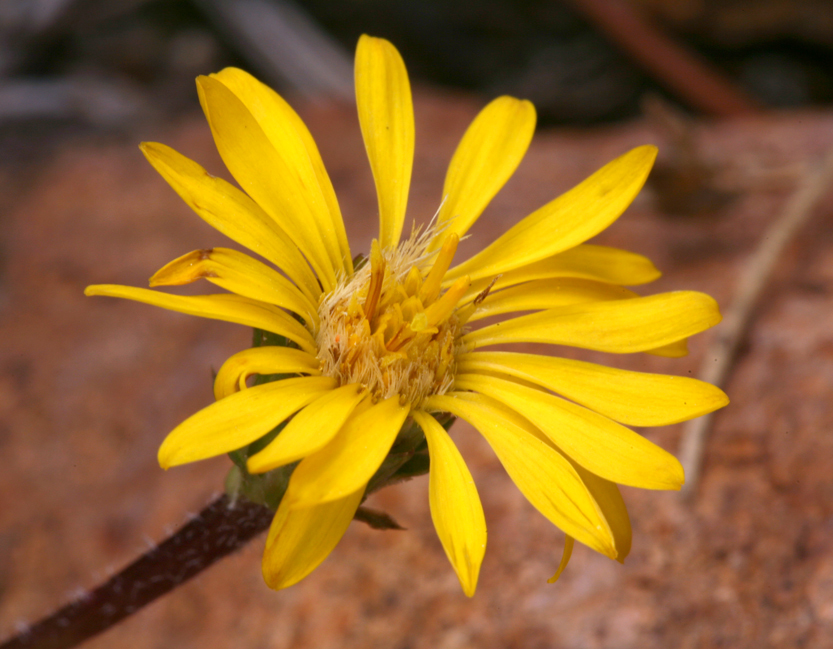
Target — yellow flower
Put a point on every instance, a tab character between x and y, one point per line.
393	339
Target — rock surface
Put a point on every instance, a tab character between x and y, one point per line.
89	388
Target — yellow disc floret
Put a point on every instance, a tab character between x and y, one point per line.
389	326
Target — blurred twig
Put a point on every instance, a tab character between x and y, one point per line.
284	44
681	71
102	101
719	358
685	181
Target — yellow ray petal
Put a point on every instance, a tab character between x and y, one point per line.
238	273
597	443
229	210
543	475
548	294
238	368
587	261
239	419
290	136
487	156
621	326
633	398
265	173
351	457
300	539
455	505
569	541
386	116
221	306
310	430
609	499
569	220
672	350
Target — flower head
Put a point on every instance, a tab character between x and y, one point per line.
374	345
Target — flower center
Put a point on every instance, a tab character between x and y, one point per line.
390	328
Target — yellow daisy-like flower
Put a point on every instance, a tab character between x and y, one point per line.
396	338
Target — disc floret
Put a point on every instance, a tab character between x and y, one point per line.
390	328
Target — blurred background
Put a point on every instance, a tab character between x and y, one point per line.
104	64
737	94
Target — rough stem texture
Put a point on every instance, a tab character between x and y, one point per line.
217	531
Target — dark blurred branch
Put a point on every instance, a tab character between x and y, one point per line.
24	21
287	47
681	71
27	25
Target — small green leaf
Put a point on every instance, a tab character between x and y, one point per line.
376	519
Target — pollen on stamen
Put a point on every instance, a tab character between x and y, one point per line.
389	328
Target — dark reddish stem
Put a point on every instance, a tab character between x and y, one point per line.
216	532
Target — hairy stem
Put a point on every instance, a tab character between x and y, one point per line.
217	531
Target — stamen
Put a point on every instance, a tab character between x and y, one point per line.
431	288
465	313
433	315
443	307
377	277
413	281
377	331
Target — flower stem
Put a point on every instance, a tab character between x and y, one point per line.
217	531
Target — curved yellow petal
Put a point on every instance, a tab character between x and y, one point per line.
386	117
569	541
490	151
238	368
290	136
548	294
569	220
544	476
621	326
597	443
221	306
351	457
238	273
239	419
310	430
609	499
227	209
587	261
300	539
266	173
455	505
633	398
